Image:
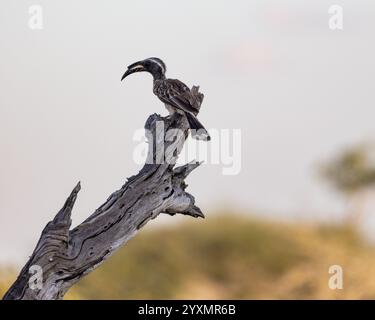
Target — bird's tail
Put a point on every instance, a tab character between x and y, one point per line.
198	130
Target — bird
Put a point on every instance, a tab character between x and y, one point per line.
172	92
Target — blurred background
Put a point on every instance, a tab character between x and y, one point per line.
301	94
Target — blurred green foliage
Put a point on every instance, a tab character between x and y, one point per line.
232	257
227	251
352	170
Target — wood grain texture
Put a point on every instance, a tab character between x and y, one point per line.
65	255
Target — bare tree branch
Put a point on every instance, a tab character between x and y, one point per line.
65	255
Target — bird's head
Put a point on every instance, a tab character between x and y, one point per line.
155	66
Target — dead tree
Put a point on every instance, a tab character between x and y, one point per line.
64	256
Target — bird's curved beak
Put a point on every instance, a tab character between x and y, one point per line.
135	67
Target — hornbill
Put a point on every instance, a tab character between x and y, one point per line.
171	92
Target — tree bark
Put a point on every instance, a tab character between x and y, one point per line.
64	256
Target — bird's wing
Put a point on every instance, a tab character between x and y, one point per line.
175	93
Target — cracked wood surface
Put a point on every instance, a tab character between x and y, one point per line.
65	255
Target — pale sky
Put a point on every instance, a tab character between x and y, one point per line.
298	91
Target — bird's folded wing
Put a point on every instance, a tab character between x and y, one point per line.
177	94
183	104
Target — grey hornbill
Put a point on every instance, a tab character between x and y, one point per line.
171	92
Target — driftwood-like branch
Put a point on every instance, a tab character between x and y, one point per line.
64	256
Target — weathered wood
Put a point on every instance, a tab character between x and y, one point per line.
65	255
